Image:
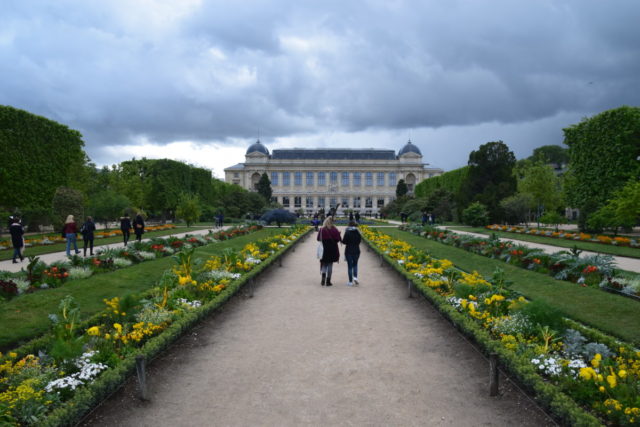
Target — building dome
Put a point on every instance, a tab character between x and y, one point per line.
258	147
409	148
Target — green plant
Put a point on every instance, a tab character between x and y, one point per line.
476	214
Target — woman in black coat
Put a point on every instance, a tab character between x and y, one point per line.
352	241
138	227
87	235
17	239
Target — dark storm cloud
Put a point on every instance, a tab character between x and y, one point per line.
123	72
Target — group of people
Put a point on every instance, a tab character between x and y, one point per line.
329	236
126	225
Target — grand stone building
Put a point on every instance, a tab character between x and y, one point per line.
363	180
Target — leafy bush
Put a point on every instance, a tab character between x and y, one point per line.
279	216
475	215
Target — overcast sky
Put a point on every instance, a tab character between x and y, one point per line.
200	80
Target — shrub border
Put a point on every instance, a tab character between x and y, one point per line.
109	381
549	396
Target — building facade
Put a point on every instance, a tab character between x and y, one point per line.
308	180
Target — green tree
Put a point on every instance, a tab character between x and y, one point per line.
188	208
264	187
517	208
603	152
551	154
107	205
490	178
40	155
67	201
401	188
622	211
543	184
475	215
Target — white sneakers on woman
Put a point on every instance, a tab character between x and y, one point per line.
355	281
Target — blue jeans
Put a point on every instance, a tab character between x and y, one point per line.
352	266
71	238
16	253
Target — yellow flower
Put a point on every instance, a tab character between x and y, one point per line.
94	331
622	374
587	373
602	389
596	360
13	355
107	336
118	327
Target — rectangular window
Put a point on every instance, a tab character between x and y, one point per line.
392	179
321	202
345	202
285	201
380	179
236	175
356	179
333	202
309	179
333	178
321	178
309	203
286	179
368	202
274	179
274	199
297	202
297	178
380	203
368	176
356	202
345	179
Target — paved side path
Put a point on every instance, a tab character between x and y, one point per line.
624	263
8	265
301	354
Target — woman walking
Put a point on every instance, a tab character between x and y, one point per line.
125	227
70	230
352	241
329	235
87	230
17	238
138	227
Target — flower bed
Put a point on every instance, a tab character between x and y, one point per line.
54	380
583	237
39	275
593	270
570	369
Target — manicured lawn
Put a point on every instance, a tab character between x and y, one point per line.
61	247
610	313
561	243
26	316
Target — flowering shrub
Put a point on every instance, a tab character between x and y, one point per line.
33	386
607	240
604	379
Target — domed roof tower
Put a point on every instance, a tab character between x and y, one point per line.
409	148
257	147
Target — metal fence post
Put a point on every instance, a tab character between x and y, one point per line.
493	375
142	376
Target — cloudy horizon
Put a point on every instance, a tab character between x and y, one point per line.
200	80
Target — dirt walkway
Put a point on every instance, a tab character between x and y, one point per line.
624	263
301	354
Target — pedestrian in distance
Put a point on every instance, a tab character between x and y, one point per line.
351	240
138	227
357	217
329	235
17	238
87	231
70	231
125	227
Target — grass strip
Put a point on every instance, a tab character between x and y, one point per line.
61	247
26	316
560	243
610	313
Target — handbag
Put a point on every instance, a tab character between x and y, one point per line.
320	249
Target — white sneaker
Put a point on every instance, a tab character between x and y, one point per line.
355	281
349	284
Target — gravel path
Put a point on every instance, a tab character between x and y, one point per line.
301	354
624	263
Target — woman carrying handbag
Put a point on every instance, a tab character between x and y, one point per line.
329	236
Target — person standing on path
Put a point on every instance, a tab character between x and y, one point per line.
125	227
17	238
352	240
70	230
138	227
87	230
329	235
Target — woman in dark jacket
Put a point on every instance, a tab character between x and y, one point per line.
138	227
17	239
87	235
352	241
329	235
125	227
